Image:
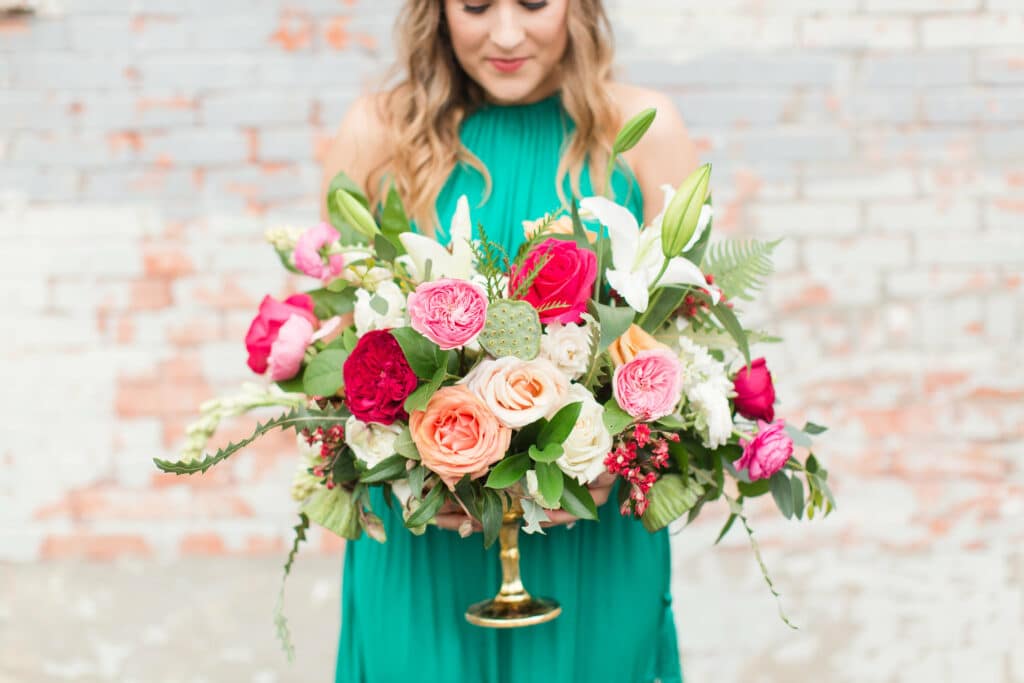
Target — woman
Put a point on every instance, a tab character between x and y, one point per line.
511	103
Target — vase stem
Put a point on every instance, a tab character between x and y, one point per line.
511	582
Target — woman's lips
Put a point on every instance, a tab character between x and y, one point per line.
507	65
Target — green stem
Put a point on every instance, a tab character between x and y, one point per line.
664	267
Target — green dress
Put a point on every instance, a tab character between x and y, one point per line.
403	601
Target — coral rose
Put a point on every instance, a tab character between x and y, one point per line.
649	386
631	342
449	312
457	435
378	379
518	391
563	284
766	453
755	392
266	326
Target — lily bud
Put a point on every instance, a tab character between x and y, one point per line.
633	131
356	215
683	213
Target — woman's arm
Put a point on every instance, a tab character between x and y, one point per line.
357	148
666	154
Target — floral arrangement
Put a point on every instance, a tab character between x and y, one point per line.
466	376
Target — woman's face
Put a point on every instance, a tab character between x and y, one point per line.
512	48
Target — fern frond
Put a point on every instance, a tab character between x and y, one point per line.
740	267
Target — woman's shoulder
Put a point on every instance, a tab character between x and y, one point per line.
358	145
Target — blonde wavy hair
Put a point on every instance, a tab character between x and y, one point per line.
422	113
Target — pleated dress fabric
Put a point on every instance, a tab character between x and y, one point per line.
403	601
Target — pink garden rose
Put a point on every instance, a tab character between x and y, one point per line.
564	284
649	386
307	253
288	350
449	312
266	326
755	392
767	452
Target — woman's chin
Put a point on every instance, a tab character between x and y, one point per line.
512	90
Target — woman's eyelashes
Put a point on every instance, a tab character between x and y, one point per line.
480	9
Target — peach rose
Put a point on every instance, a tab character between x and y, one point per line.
457	435
519	392
633	341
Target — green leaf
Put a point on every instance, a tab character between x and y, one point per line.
576	499
550	453
491	511
349	339
355	214
419	399
323	375
782	492
798	437
679	453
405	446
292	386
670	497
812	464
508	471
732	326
423	355
335	510
798	497
549	481
814	429
385	248
613	321
391	467
417	475
664	303
431	503
754	488
683	212
633	131
579	233
560	425
327	304
615	418
345	469
341	181
725	528
740	268
393	220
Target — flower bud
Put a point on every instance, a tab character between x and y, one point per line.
683	213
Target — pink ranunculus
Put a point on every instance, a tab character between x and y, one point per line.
649	386
448	312
564	283
767	452
307	253
755	392
288	350
267	324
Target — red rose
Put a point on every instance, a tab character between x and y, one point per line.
378	379
564	283
264	327
754	392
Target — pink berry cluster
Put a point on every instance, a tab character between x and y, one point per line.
331	442
638	457
692	305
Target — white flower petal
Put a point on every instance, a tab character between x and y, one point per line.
706	212
681	271
623	230
631	286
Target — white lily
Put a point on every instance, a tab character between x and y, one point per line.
636	254
457	263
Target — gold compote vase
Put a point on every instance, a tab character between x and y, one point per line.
513	606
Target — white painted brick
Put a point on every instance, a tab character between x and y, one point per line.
820	255
74	149
197	145
974	106
989	30
928	216
35	34
951	145
768	70
66	71
920	69
847	181
196	71
238	32
993	248
28	109
1001	66
80	225
730	108
287	144
923	6
98	34
130	111
857	32
892	105
790	144
56	184
930	280
27	293
1003	144
1004	214
255	108
314	71
805	218
1002	318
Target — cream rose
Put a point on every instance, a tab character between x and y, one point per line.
371	442
568	347
518	392
588	443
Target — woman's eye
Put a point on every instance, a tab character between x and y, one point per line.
535	5
475	9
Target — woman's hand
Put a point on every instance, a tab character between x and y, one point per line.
453	517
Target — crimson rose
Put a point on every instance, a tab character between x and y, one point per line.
565	281
755	393
378	379
267	324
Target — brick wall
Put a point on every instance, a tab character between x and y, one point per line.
145	145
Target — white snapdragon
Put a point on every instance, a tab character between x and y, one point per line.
369	441
367	318
568	347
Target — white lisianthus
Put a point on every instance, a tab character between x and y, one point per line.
710	408
588	443
568	347
371	442
367	318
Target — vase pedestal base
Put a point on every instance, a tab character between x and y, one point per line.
499	613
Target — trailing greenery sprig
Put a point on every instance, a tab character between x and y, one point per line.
280	622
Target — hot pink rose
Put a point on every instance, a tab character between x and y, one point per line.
564	283
448	312
755	393
288	350
649	386
307	254
267	324
767	452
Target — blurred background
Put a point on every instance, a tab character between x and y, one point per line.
145	145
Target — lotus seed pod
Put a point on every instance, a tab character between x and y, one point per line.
512	329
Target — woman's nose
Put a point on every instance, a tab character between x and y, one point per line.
507	32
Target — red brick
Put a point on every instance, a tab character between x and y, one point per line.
93	546
151	294
294	31
202	544
170	262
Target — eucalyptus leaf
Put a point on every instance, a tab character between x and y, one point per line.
798	437
755	488
385	248
782	492
798	497
814	429
327	303
335	510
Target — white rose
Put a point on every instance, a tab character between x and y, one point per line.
568	347
518	392
366	318
371	442
589	441
710	406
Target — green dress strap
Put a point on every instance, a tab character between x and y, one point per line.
403	600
